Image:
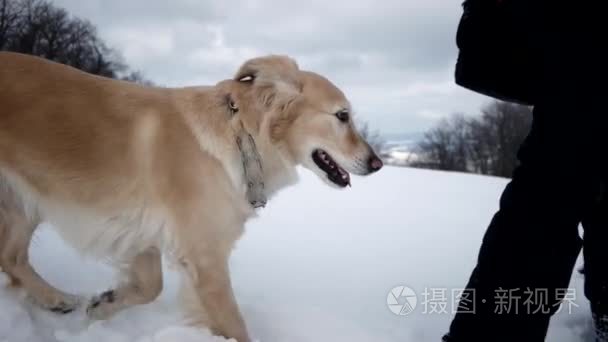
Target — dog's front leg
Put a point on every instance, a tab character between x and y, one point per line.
211	282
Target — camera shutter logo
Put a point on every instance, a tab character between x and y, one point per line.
402	300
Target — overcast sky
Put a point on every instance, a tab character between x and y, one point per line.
393	58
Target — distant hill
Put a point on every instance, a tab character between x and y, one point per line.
402	139
398	149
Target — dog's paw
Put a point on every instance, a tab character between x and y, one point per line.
64	308
63	304
103	306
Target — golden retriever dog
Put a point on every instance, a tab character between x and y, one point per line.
132	173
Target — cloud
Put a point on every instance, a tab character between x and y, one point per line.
394	58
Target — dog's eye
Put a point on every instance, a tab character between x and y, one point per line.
343	115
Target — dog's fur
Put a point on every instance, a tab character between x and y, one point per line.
132	172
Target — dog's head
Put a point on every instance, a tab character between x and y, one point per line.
308	118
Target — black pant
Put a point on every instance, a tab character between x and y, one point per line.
596	262
533	242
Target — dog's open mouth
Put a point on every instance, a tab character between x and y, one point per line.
335	173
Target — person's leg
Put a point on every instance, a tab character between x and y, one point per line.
596	258
532	243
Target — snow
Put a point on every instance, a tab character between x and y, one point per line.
317	265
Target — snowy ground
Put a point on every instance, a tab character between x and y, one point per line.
316	266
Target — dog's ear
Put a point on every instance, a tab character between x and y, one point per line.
274	78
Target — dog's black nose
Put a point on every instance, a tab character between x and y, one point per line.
375	163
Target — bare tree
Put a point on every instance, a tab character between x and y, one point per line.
481	154
445	146
10	12
487	144
375	140
507	126
39	28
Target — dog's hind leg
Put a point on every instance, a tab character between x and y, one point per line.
144	282
3	241
16	232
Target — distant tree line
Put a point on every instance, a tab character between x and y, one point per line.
486	144
373	137
37	27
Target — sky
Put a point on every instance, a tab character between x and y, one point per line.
394	59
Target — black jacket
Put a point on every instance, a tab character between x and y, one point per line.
497	57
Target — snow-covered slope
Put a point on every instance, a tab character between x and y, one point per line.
317	265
